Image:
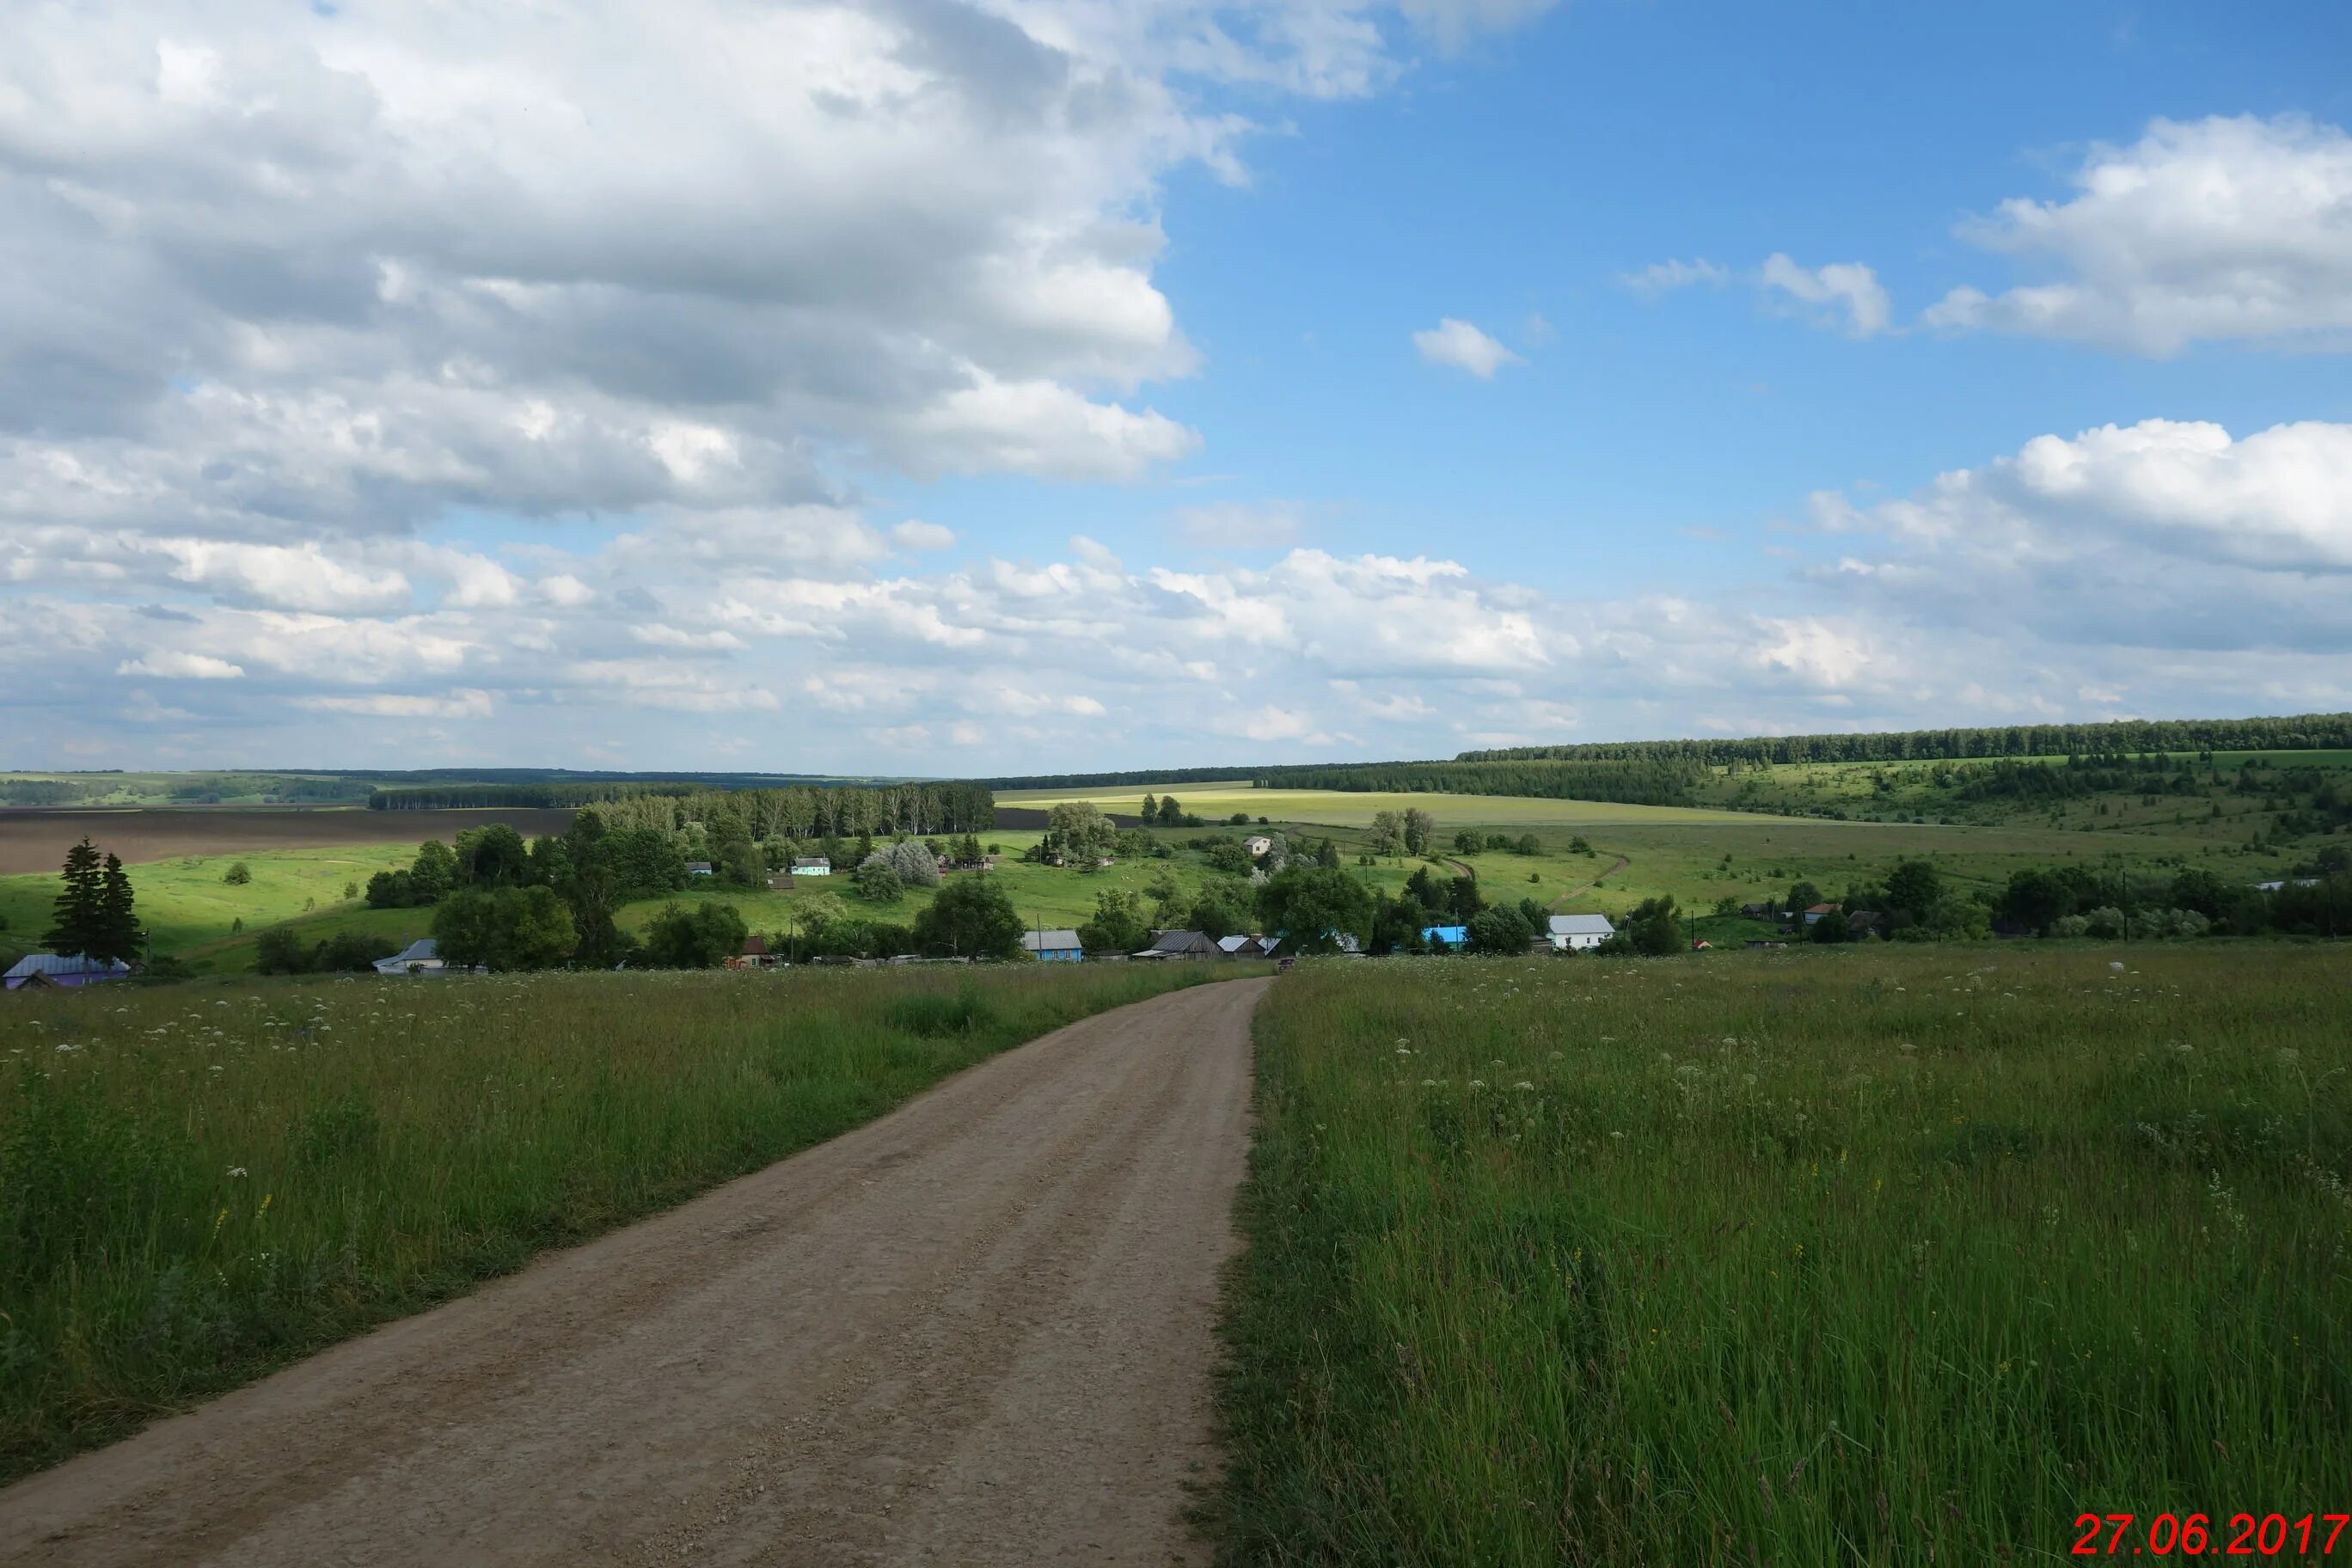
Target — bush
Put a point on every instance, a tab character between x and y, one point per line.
237	875
505	929
278	951
1499	930
877	880
701	938
971	918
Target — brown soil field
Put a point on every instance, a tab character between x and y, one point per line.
36	838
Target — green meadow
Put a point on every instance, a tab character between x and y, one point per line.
1882	1255
1347	808
201	1181
185	903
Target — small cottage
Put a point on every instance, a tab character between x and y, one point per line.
1053	946
1180	944
811	866
1577	933
64	971
421	956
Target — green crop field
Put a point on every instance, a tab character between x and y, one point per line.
1874	1255
200	1182
1346	808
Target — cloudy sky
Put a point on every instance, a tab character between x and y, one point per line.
926	387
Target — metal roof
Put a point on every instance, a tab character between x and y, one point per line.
1054	941
1581	925
63	964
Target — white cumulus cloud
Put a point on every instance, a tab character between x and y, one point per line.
1459	343
2209	229
1847	293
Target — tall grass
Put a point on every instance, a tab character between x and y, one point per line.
1883	1256
200	1182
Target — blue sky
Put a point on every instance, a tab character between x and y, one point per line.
917	387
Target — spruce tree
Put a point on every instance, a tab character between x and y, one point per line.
76	912
118	925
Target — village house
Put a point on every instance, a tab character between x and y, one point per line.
811	866
1258	845
698	869
1180	944
421	956
66	972
1451	938
1576	934
1053	946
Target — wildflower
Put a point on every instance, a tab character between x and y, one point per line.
1523	1084
237	1169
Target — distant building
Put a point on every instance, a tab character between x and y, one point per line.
755	954
1757	911
780	882
1053	946
1257	844
698	868
1446	936
1574	933
67	972
421	956
811	866
2283	882
1815	913
1180	944
1248	946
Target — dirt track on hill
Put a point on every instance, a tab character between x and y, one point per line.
978	1330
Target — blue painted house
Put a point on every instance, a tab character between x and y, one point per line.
1445	936
1053	946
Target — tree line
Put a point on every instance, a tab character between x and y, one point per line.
2305	731
795	811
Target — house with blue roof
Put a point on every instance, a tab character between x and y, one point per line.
1452	938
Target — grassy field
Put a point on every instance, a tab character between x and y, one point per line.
1343	808
1697	856
200	1182
185	904
190	910
1864	1257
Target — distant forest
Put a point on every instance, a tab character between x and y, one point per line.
797	811
1671	772
2300	733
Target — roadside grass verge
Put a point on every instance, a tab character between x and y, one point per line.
1875	1256
202	1181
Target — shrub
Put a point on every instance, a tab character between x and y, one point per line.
237	875
701	938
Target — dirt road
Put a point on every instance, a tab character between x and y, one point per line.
975	1332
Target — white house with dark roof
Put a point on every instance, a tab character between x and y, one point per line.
1574	933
